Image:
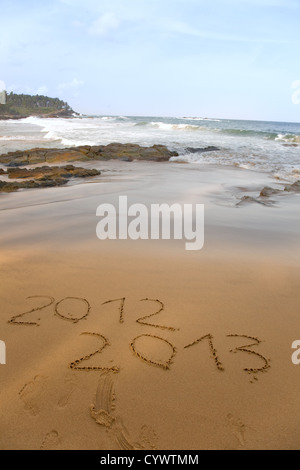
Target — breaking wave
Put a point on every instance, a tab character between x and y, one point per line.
266	146
288	138
249	133
198	119
169	127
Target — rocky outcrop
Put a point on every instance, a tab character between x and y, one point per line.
290	188
267	192
43	177
295	187
249	199
53	114
114	151
68	171
202	150
7	187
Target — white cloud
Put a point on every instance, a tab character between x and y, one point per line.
75	83
180	27
42	90
2	85
104	24
27	90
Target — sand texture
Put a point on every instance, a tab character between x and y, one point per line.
134	345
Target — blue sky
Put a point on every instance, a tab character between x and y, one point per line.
224	58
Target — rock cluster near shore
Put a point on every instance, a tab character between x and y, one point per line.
267	192
58	176
116	151
289	188
42	177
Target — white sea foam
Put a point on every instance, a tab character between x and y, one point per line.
249	145
174	127
288	138
108	118
17	138
198	119
32	120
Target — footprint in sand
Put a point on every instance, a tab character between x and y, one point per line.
103	412
104	405
122	437
32	393
238	428
51	441
148	439
70	384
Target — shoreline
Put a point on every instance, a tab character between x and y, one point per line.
55	115
25	163
260	146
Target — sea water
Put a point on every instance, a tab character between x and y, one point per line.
272	147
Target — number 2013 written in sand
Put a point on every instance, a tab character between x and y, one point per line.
81	364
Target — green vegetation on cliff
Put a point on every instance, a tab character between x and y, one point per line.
27	105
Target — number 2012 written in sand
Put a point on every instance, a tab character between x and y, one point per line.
80	364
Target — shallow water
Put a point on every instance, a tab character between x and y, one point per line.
271	147
66	216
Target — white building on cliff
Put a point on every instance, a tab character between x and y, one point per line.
2	92
3	97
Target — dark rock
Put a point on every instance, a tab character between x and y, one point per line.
85	153
202	150
295	187
59	155
31	184
49	183
16	164
83	173
44	177
97	148
51	172
267	192
10	187
250	199
66	175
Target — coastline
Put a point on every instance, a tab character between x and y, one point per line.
244	282
18	117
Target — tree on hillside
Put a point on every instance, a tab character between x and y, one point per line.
37	101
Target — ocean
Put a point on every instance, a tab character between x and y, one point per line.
272	147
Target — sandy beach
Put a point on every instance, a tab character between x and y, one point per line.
89	365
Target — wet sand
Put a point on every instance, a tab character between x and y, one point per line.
164	381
